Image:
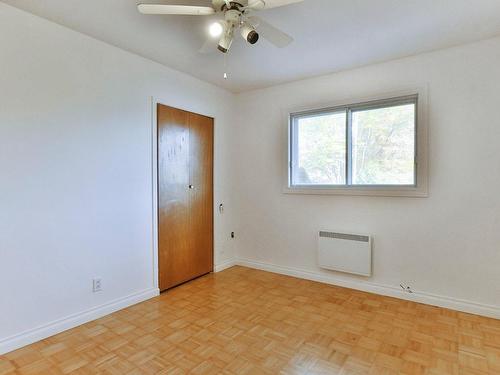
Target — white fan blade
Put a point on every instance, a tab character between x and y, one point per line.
269	4
277	37
175	9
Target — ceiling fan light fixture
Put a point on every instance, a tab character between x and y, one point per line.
249	34
215	30
224	45
236	18
226	40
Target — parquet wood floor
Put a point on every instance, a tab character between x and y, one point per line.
244	321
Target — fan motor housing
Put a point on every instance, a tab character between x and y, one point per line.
232	16
221	5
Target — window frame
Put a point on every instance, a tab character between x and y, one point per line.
420	186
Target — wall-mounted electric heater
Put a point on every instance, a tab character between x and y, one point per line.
351	253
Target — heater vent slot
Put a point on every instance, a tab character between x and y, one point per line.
344	236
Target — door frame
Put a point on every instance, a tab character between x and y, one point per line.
153	102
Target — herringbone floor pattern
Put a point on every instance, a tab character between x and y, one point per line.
243	321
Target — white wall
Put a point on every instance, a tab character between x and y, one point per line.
76	176
447	246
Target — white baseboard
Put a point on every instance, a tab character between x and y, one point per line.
490	311
28	337
227	264
36	334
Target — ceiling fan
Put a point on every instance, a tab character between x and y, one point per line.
237	16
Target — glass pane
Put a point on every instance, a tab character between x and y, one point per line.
320	150
383	146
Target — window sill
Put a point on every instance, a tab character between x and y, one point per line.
383	191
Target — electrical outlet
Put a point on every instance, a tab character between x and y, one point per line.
96	285
232	234
406	288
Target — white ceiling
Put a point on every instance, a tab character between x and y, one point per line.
330	35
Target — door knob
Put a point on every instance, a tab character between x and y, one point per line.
191	186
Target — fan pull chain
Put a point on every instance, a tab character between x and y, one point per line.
225	66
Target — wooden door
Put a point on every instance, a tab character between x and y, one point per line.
185	196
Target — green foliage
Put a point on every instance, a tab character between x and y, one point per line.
383	146
322	149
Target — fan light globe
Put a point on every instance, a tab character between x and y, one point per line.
215	30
